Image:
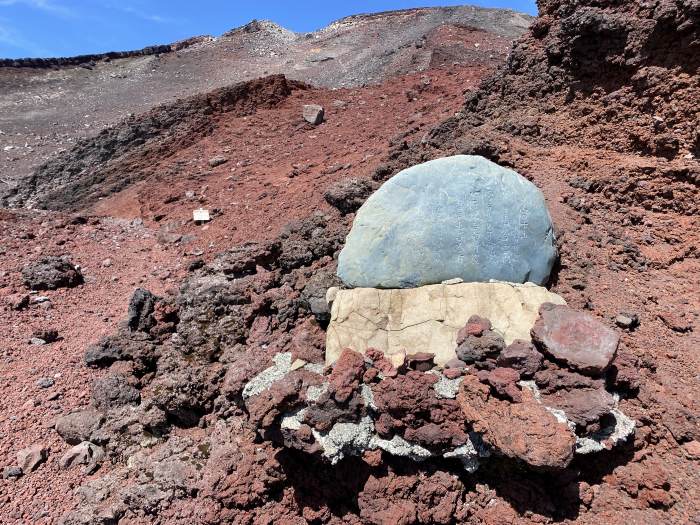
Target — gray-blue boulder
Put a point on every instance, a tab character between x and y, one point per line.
460	216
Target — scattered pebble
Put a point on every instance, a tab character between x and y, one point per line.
45	382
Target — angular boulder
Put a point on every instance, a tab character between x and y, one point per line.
577	339
428	319
455	217
313	114
30	458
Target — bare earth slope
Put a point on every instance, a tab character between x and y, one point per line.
44	110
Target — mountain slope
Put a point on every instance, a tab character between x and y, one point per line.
47	109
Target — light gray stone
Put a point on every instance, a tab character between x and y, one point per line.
261	382
455	217
85	453
30	458
313	114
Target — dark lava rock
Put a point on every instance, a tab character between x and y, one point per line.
141	307
128	346
575	338
521	356
50	273
421	361
313	296
48	336
113	391
553	378
348	195
243	259
477	344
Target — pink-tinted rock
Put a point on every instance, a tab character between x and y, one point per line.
30	458
370	375
504	381
346	375
575	338
582	406
553	378
17	301
521	356
407	498
456	363
421	361
381	363
453	373
526	430
475	326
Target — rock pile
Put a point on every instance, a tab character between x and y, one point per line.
511	400
220	393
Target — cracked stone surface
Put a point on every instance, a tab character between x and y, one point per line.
428	318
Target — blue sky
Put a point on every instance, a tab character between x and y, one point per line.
73	27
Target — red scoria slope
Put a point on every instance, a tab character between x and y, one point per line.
278	170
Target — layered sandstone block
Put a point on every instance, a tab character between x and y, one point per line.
427	318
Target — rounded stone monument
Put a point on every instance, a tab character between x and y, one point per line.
455	217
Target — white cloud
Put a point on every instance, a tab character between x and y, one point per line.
48	6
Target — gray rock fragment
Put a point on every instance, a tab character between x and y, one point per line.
261	382
84	453
313	114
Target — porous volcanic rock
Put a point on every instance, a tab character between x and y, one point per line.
522	356
429	318
576	338
348	195
50	273
525	430
78	426
313	114
455	217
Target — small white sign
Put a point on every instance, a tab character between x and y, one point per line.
201	215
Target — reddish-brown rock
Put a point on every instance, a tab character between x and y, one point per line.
527	430
504	382
575	338
421	361
521	356
346	375
582	406
475	326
